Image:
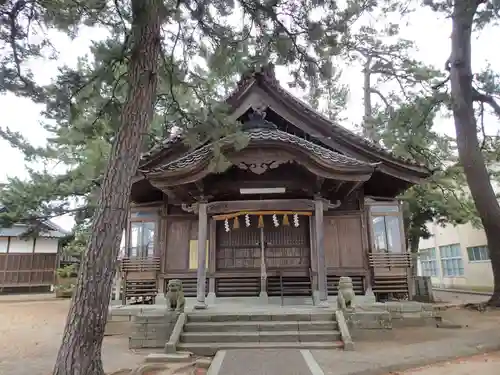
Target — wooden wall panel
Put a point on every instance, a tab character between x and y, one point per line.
331	238
27	269
177	243
350	240
344	242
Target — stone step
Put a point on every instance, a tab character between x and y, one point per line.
255	326
261	336
283	317
210	348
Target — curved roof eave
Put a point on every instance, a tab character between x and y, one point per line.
318	160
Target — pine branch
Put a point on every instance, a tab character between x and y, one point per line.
488	99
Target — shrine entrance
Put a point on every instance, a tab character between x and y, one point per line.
264	254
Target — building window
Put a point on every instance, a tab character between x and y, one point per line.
451	260
387	234
478	253
429	262
142	238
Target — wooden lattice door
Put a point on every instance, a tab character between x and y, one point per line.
287	246
237	248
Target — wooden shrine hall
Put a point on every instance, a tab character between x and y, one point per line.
304	203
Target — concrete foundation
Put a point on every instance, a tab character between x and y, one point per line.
151	330
366	320
150	326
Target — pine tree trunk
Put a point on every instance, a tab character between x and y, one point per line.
368	129
80	351
468	144
414	242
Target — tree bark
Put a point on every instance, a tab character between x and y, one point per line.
466	128
414	242
80	351
368	130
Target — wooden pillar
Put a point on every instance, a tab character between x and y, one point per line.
314	256
212	262
126	255
161	251
202	243
118	282
366	238
263	270
320	249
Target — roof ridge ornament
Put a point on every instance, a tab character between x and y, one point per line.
257	119
266	71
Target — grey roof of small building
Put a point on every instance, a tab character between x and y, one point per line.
263	135
18	230
53	230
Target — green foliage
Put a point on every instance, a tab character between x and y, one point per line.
66	272
409	132
402	120
204	50
75	245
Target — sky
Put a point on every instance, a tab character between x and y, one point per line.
430	33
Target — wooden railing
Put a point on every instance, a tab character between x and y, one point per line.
390	272
141	278
140	264
389	260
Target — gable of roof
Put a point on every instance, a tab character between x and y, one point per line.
329	134
265	79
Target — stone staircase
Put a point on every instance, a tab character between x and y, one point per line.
205	333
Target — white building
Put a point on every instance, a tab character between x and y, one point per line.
456	257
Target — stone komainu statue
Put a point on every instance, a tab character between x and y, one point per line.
345	297
175	296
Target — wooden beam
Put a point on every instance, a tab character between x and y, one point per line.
147	204
232	185
339	185
261	205
353	187
318	184
258	213
200	187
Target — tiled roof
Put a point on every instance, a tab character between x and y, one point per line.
176	138
266	135
266	75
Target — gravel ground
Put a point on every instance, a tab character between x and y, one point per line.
459	297
31	334
414	346
485	364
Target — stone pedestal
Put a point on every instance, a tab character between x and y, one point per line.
263	297
316	297
200	305
323	304
211	298
161	300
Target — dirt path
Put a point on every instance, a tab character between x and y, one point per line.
485	364
30	335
